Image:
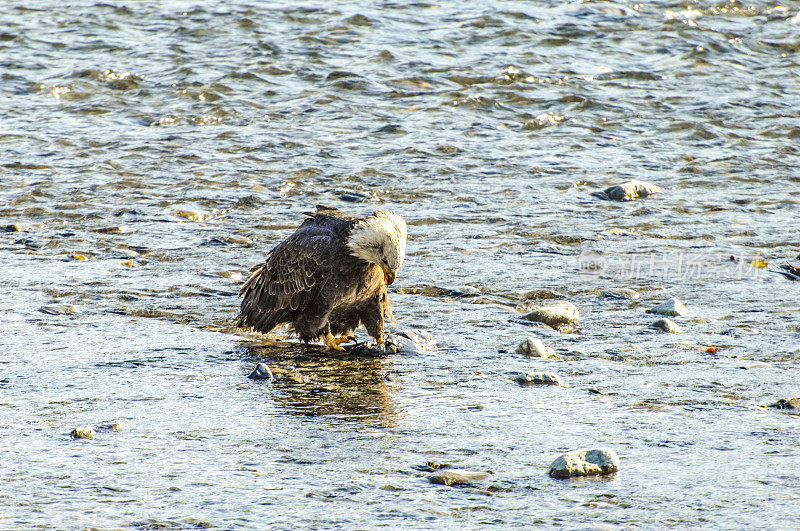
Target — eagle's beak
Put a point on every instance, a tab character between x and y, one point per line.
388	277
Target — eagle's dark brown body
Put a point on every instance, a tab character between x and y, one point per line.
313	283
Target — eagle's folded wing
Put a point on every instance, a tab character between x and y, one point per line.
288	282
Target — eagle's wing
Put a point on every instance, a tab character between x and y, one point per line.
289	281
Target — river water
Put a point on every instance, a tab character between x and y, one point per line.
153	151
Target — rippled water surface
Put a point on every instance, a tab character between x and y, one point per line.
153	151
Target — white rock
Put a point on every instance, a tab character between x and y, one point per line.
586	462
455	476
556	315
621	293
539	378
666	325
534	347
628	191
671	307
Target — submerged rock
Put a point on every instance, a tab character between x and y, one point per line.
455	476
539	378
586	462
671	307
83	432
558	315
628	191
666	325
783	403
620	293
534	347
261	372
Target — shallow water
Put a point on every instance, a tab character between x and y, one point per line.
153	152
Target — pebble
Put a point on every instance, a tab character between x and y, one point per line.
534	347
783	403
586	462
666	325
83	432
13	227
455	476
672	307
557	315
539	378
235	238
261	372
628	191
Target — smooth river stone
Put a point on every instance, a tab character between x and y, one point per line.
666	325
455	476
539	378
261	372
534	347
628	191
557	315
586	462
83	432
672	307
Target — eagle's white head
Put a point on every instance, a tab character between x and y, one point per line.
380	238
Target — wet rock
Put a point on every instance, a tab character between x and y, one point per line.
586	462
83	432
455	476
558	315
666	325
628	191
534	347
783	403
13	227
261	372
672	307
539	378
235	238
621	293
543	294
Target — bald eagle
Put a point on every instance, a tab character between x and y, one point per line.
328	278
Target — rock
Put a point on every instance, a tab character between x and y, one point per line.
13	227
584	462
456	476
783	403
558	315
409	342
534	347
539	378
666	325
672	307
621	293
628	191
83	432
261	372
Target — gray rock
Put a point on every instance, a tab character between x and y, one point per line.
261	372
455	476
783	403
666	325
628	191
672	307
621	293
83	432
586	462
534	347
558	315
539	378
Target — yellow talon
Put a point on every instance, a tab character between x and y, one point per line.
333	343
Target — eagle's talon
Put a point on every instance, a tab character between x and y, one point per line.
333	343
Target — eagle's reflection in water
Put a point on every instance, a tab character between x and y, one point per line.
351	385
